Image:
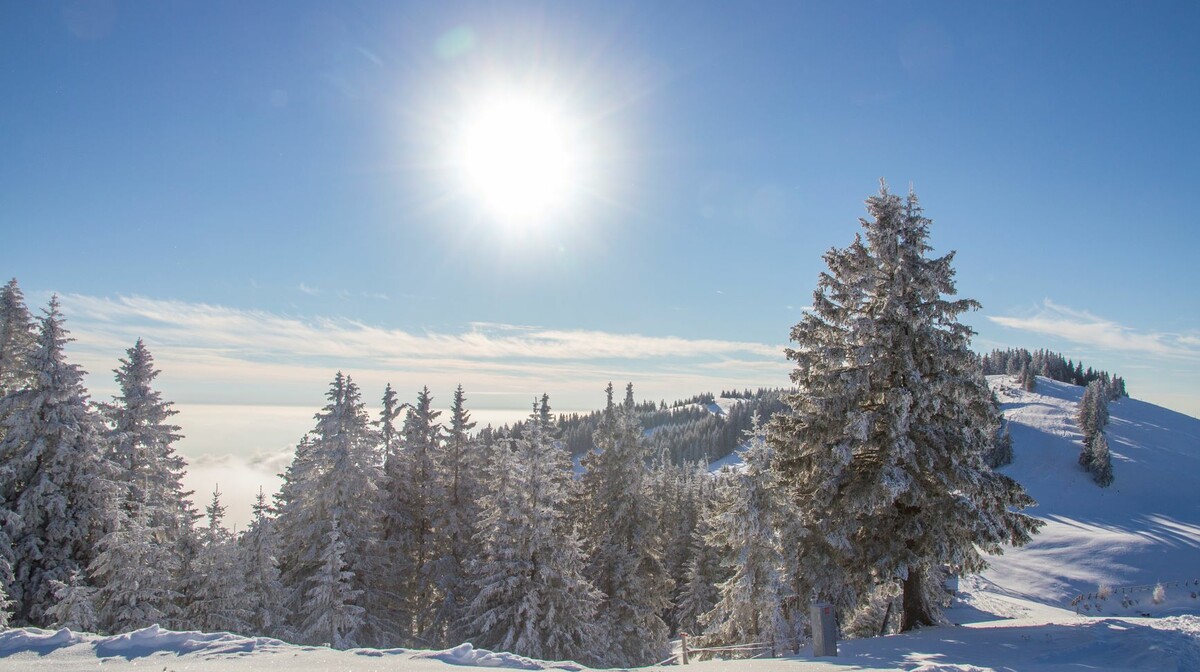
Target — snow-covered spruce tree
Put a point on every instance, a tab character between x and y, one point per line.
1101	461
1092	416
624	563
681	492
1001	452
532	597
883	444
1028	378
258	553
216	591
704	573
456	520
6	604
388	618
5	609
74	607
56	489
331	613
140	440
411	499
335	474
747	521
415	498
18	339
133	574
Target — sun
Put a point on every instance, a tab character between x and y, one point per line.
519	157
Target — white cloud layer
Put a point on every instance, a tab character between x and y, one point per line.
220	355
1084	328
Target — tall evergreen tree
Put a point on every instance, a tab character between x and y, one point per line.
700	581
748	524
75	604
259	558
331	613
532	597
18	339
1101	465
412	498
56	489
335	475
884	441
134	574
388	617
216	590
624	561
420	494
456	520
155	506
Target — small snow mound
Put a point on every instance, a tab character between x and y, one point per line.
467	654
153	639
36	639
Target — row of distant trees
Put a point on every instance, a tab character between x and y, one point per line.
1027	365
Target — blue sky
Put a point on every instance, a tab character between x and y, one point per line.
262	190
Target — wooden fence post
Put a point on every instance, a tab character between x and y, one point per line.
683	638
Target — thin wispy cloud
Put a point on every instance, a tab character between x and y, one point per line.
1085	328
204	346
311	291
267	334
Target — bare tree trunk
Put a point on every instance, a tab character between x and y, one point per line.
915	611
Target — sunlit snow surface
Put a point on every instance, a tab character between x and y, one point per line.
1066	642
1142	530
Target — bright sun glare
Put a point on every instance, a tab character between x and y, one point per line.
519	157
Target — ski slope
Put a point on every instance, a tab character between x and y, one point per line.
1038	608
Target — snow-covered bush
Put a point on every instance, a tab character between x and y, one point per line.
1159	594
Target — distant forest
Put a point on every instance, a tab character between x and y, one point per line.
1025	364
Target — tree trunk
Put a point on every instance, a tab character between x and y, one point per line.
915	611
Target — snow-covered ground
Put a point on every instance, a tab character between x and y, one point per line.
1020	615
1142	530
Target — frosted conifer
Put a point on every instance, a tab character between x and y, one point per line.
416	499
56	489
883	444
18	338
1101	462
701	578
331	613
456	520
133	573
74	604
749	516
532	597
258	551
216	590
624	563
335	474
151	495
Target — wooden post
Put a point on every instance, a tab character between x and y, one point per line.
683	639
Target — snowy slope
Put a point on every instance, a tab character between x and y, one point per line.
1141	530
